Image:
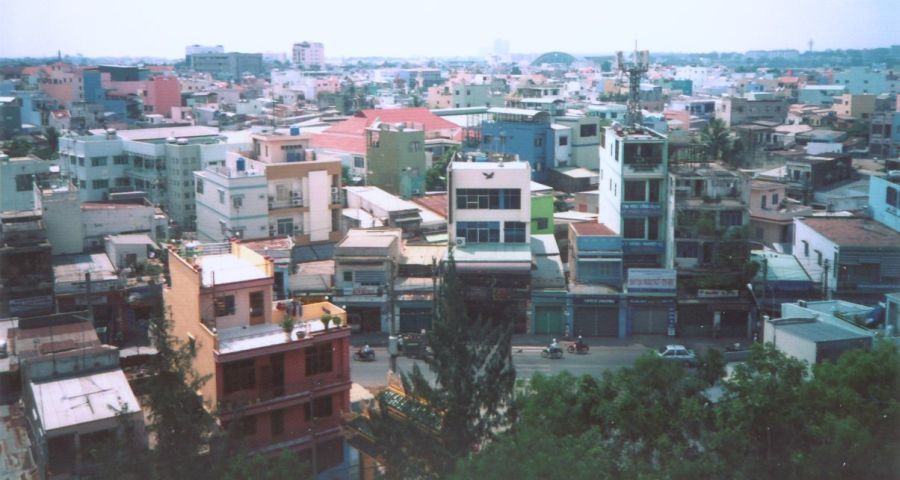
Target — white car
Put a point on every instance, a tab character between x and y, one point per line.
677	352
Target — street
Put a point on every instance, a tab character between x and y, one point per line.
527	361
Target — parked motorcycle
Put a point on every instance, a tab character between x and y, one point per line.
580	349
553	355
364	356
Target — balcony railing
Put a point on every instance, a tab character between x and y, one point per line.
306	387
295	200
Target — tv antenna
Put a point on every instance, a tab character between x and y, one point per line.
634	69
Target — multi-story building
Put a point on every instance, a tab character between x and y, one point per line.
73	388
808	174
17	179
229	66
884	134
772	213
158	161
710	203
463	94
820	94
702	107
10	117
526	133
866	80
26	279
849	257
396	158
884	199
309	54
365	266
372	206
284	387
860	107
753	107
634	196
489	226
279	189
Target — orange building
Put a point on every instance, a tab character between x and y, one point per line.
284	388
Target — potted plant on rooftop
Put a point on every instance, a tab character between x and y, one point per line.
326	319
287	324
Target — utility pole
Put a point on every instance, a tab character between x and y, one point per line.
393	324
826	293
765	269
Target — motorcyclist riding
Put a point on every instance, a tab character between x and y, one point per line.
580	342
365	350
554	347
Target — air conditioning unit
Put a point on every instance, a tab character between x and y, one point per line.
460	242
335	190
295	194
298	229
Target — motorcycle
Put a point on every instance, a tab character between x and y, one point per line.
364	356
553	355
578	348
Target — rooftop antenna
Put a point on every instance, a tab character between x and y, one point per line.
634	69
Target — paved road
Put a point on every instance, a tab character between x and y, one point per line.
527	360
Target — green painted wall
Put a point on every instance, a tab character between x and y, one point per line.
542	207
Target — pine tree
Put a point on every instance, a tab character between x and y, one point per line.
471	400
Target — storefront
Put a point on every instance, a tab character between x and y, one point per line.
715	317
651	316
596	317
548	312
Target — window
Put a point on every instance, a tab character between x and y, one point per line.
891	197
222	197
635	190
635	227
348	276
687	250
487	139
82	184
775	200
653	186
653	228
318	359
237	201
542	223
359	162
321	407
538	141
479	232
285	226
588	130
805	248
763	202
256	303
415	146
759	233
123	182
276	422
484	198
80	161
200	185
224	305
563	141
240	375
818	258
120	160
514	232
100	184
98	161
23	182
731	218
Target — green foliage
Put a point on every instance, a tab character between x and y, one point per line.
474	379
717	139
654	420
436	176
52	138
18	147
287	323
257	467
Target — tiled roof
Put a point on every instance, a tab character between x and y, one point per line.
590	228
349	135
854	231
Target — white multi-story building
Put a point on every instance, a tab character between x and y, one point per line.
489	203
634	195
307	54
275	190
158	161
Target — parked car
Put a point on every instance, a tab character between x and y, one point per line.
677	353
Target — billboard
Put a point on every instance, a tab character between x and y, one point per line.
651	280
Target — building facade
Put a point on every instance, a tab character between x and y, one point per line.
309	54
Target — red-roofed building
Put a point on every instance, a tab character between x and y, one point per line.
348	138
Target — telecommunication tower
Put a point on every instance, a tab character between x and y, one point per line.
634	69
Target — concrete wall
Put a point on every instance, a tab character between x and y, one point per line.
514	175
64	222
881	211
817	242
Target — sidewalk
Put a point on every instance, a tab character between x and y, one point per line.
699	344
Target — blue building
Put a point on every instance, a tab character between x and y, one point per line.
884	200
526	133
884	134
93	89
865	80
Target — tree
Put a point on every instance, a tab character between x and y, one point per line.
716	137
181	425
52	138
18	147
472	397
436	176
287	465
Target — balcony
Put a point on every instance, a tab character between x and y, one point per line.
634	247
294	201
305	388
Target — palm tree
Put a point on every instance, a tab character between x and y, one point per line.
716	137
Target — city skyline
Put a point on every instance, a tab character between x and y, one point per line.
698	26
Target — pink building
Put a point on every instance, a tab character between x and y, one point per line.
61	81
328	84
163	93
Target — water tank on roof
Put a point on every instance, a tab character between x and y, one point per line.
182	141
295	131
241	164
170	140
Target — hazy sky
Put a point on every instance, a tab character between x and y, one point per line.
163	28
